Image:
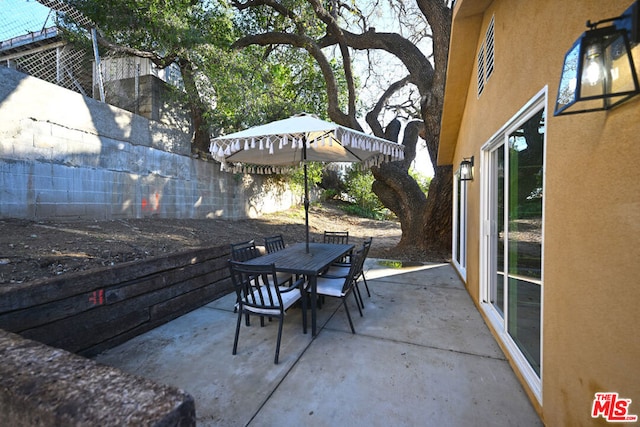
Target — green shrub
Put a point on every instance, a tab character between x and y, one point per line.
355	210
358	185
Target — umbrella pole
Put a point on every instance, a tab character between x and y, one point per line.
306	194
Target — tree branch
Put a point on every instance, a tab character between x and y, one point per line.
160	61
335	29
315	51
417	64
278	7
372	116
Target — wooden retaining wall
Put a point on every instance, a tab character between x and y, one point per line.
89	312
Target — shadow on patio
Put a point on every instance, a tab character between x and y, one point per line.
422	355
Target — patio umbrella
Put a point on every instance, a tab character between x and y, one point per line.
280	145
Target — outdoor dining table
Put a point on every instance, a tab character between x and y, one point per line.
295	259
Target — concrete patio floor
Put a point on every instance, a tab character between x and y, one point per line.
422	356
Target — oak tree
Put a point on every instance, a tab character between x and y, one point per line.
341	29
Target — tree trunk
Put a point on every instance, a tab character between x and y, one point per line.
437	215
201	137
401	194
398	191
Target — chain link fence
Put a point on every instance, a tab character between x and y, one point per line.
33	41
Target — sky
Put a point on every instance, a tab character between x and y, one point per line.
19	17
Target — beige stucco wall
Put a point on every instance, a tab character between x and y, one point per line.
591	290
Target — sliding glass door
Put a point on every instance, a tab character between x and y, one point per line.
513	191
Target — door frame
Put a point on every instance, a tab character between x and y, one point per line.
488	229
460	220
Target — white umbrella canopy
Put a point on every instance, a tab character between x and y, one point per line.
282	144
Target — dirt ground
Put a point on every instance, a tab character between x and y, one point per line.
31	250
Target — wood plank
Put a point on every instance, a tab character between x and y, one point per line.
89	328
78	332
17	296
91	310
17	321
183	303
162	315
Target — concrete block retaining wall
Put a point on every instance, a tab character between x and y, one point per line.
64	155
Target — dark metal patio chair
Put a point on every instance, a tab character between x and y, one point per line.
244	251
340	286
342	268
274	243
337	237
260	294
340	237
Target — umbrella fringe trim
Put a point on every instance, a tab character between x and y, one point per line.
272	170
221	151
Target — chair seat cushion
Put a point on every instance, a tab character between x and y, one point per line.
330	287
338	271
288	299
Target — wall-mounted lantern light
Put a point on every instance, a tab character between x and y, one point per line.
598	71
466	169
